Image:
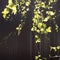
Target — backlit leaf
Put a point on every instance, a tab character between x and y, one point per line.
5	12
46	19
40	25
48	29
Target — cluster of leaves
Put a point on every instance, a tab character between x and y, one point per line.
21	7
54	48
39	20
37	39
43	13
11	7
38	57
19	28
24	6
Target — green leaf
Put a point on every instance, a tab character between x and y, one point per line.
5	12
36	57
42	29
43	5
48	29
50	13
36	36
14	10
40	25
56	27
38	40
54	48
10	2
58	47
27	3
46	19
38	31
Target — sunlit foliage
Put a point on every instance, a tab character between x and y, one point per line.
43	13
20	7
38	57
19	28
11	6
55	48
39	25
